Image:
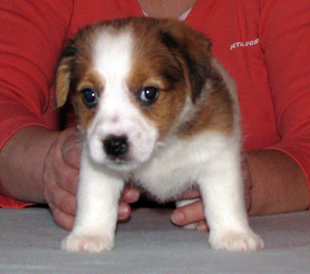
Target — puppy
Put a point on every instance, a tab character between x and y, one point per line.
156	108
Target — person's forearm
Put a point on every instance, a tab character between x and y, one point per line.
278	183
22	162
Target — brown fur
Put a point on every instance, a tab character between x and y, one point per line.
215	111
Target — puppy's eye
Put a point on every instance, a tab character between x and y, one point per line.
149	95
90	97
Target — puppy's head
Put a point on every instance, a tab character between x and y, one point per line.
132	80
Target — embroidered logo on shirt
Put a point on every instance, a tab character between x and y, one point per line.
244	44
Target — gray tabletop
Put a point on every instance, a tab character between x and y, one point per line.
150	243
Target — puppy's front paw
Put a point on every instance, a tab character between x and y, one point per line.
86	243
236	241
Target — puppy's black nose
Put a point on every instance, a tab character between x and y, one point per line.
116	145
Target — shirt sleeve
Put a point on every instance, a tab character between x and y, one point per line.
32	36
285	30
7	202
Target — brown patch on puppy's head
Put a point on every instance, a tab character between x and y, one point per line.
192	50
76	75
175	59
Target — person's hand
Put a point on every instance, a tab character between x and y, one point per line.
60	177
60	180
193	214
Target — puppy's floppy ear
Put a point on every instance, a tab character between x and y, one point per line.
63	74
192	50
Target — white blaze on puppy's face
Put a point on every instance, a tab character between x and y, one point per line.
119	136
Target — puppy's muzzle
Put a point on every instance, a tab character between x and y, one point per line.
116	147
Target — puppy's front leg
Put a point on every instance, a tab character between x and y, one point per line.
96	218
222	191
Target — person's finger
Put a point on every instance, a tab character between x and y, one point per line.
191	213
68	179
202	226
130	195
60	198
124	211
71	149
63	219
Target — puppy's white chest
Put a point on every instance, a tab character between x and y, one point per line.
165	177
174	169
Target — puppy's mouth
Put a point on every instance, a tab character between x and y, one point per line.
119	161
118	164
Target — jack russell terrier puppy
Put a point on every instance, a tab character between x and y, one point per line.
156	108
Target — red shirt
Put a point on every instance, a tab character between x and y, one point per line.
264	45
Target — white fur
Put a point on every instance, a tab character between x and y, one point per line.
116	113
210	159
